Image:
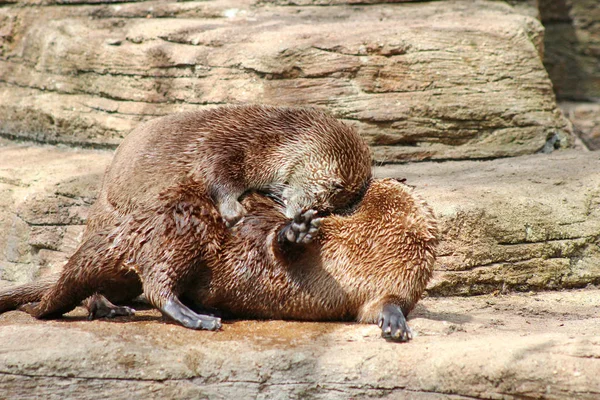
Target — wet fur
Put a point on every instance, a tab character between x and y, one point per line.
155	221
380	255
383	253
304	155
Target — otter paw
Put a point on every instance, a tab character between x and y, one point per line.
302	229
393	324
232	212
109	311
29	308
202	322
175	310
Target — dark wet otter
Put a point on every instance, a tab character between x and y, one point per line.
371	265
155	220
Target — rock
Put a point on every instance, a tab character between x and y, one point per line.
45	194
525	223
572	44
519	346
585	118
439	80
531	222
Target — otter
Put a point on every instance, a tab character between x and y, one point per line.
370	265
169	171
307	158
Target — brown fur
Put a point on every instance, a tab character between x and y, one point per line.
305	156
154	219
381	254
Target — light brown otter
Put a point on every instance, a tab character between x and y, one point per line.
371	265
304	156
174	168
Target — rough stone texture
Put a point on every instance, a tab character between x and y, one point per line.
531	346
572	47
523	223
585	118
435	80
531	222
527	7
45	193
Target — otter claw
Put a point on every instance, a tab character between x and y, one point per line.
303	228
393	324
100	307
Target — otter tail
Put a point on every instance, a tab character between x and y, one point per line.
13	297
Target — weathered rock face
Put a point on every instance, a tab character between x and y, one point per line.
513	224
572	47
45	194
585	118
439	80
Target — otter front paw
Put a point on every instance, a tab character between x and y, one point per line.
393	324
231	212
29	308
100	307
302	229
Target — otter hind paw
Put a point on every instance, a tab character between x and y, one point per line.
116	311
175	310
393	324
303	228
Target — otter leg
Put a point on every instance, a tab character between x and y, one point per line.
226	197
81	277
176	310
186	232
393	323
96	265
159	290
302	229
231	210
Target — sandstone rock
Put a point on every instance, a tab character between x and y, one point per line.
45	194
490	347
585	118
521	223
572	44
440	80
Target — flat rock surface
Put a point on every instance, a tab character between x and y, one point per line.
440	80
544	345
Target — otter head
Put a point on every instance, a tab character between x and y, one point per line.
312	196
324	195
